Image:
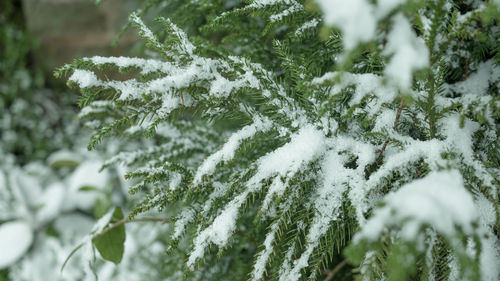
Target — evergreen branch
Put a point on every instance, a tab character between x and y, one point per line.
284	155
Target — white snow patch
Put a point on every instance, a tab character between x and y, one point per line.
86	174
355	18
304	146
478	82
84	78
305	26
260	264
15	239
409	53
287	160
439	199
228	150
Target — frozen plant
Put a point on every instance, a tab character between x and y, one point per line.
320	139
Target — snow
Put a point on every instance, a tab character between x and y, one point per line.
294	8
358	19
489	259
384	120
219	190
277	187
486	211
305	146
384	7
63	156
146	66
305	26
145	31
174	181
211	74
478	82
4	193
52	199
187	215
84	78
439	200
219	231
355	19
367	84
286	265
185	46
328	200
263	256
86	174
73	225
15	239
287	160
263	3
409	53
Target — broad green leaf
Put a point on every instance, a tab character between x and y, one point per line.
110	243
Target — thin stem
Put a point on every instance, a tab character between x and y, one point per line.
395	127
398	114
335	270
431	114
124	221
466	74
182	97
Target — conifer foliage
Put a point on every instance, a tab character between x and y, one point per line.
310	140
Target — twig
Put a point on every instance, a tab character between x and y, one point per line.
334	271
398	114
467	61
395	127
466	74
182	98
124	221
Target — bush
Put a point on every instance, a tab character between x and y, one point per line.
320	139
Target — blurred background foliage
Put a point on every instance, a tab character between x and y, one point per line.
51	187
23	94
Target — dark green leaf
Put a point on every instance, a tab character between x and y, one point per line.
110	242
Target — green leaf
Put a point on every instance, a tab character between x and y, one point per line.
64	158
64	163
88	188
110	242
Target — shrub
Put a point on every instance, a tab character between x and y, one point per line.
318	139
